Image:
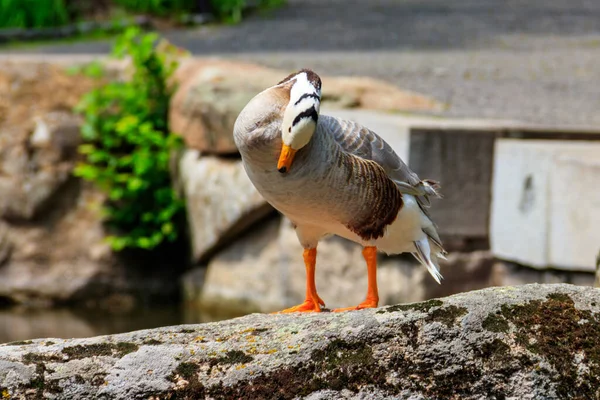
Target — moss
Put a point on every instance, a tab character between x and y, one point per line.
187	370
447	315
35	358
49	343
41	385
556	330
124	348
152	342
424	306
495	323
496	350
339	353
21	343
194	388
99	349
232	357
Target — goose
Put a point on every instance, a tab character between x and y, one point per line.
331	176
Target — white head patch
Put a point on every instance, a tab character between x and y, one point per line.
302	112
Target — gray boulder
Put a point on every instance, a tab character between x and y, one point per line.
221	201
533	341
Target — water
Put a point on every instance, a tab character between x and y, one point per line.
19	323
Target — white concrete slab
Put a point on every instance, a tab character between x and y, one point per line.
575	202
542	211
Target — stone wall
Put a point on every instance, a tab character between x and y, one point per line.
245	256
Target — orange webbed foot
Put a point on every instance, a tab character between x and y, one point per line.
361	306
307	306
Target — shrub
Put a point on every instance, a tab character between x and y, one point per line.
231	10
158	7
33	13
128	145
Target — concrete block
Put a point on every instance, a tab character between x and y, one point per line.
462	161
543	211
575	202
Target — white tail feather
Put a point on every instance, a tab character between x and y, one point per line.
423	255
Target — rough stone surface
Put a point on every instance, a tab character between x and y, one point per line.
533	341
212	93
221	201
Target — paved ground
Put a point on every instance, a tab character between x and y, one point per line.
533	60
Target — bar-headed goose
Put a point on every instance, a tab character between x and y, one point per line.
331	176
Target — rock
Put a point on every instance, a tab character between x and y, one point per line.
493	343
543	211
221	201
34	170
62	258
211	93
5	243
38	137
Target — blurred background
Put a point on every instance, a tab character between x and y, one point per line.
123	203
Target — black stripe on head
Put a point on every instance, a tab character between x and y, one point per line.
307	95
310	113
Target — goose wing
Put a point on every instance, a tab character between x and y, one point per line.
359	141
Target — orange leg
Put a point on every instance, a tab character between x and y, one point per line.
313	302
372	300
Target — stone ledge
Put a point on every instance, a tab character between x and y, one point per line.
532	341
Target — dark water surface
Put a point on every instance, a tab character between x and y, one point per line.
18	323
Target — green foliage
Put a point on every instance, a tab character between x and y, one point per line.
33	13
158	7
128	146
231	10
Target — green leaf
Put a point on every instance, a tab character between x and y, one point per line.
127	145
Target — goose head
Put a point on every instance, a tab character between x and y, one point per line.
300	115
294	104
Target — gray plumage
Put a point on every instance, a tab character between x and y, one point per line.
346	180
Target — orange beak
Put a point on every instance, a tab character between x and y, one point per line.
285	159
